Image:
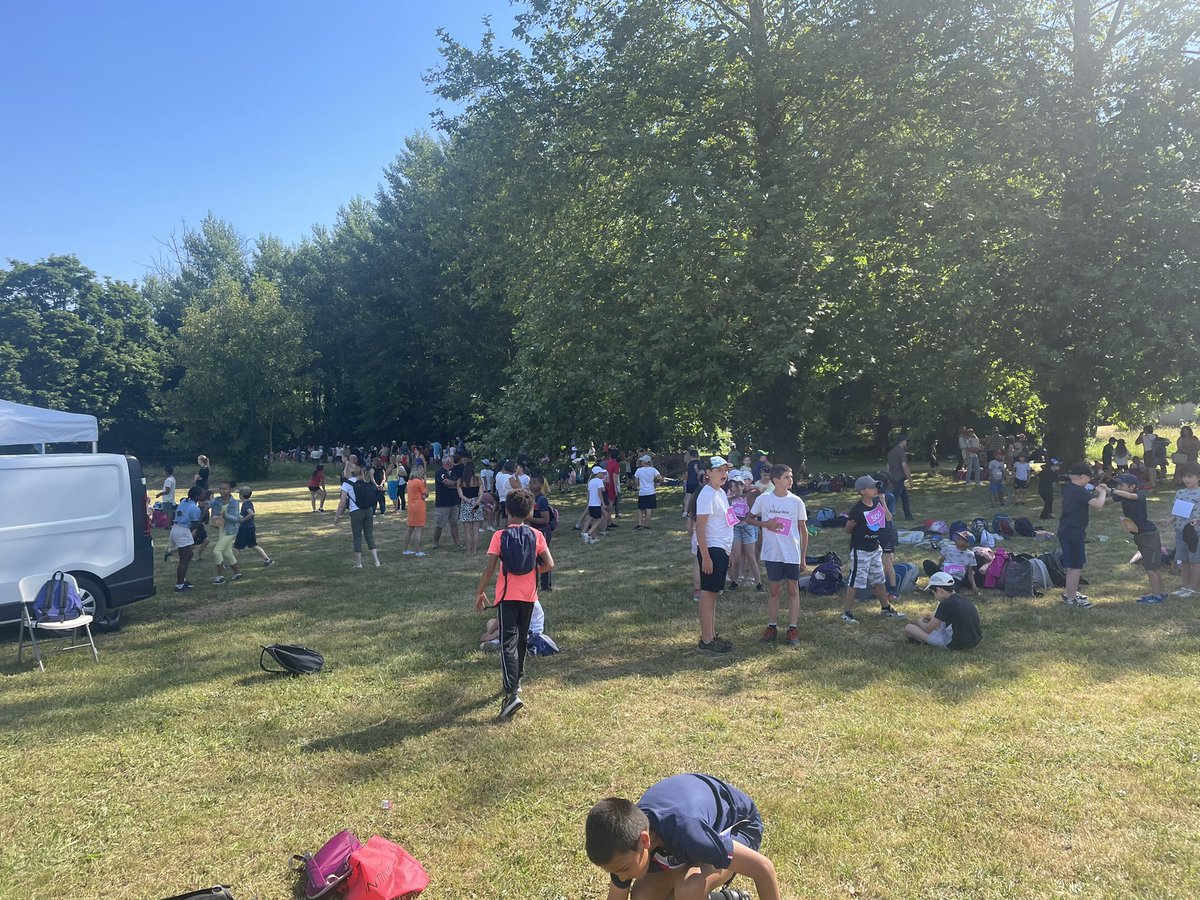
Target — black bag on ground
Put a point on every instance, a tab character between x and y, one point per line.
1058	575
1018	577
1023	526
292	658
219	892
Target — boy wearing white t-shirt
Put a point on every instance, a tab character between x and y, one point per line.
647	477
784	522
714	542
597	509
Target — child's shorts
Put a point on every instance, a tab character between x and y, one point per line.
889	538
996	487
246	537
595	512
714	582
1020	484
781	571
745	534
1182	553
1073	554
1149	544
941	637
866	568
647	501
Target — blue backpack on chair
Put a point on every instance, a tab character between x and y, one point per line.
57	601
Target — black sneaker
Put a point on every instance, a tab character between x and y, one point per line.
890	612
732	586
849	618
758	588
180	588
511	705
717	645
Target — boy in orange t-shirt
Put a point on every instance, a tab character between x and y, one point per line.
522	555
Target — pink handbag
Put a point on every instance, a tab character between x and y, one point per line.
329	867
384	871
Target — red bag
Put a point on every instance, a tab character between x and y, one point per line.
384	871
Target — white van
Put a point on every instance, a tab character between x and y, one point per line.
82	513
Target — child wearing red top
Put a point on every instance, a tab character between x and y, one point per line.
516	591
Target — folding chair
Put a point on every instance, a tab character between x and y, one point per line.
29	587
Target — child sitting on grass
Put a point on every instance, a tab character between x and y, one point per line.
954	625
958	561
521	554
686	836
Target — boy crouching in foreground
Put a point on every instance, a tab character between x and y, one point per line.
686	836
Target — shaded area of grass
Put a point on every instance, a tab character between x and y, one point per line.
1058	759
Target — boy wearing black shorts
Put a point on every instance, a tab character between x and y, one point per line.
687	835
1136	519
1078	497
714	542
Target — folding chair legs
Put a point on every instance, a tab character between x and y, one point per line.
37	653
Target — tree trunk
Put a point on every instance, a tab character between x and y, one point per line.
1068	417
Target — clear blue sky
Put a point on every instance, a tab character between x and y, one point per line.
123	118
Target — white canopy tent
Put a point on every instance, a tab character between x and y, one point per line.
21	424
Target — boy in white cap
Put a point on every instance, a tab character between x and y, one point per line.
714	542
868	517
597	508
954	625
647	477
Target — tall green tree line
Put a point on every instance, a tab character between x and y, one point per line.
653	220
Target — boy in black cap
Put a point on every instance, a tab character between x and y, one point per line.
1137	522
1078	498
954	625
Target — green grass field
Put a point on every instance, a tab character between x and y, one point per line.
1059	759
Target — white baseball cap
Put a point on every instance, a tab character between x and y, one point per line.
597	470
940	579
645	457
717	462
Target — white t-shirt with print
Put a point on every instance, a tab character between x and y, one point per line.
169	489
596	491
645	476
784	548
713	503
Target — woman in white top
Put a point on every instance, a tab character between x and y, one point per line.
362	521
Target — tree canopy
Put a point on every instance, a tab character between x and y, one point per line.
654	221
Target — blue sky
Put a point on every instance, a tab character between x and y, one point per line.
124	119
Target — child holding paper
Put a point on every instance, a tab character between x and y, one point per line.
784	522
1185	513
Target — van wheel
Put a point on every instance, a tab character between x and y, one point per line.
95	604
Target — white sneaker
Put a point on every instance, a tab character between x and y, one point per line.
419	553
220	579
408	553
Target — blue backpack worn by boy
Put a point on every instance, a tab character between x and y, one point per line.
57	601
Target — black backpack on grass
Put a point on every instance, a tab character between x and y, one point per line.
1023	526
1018	577
1058	575
292	659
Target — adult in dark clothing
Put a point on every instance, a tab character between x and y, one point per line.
446	499
1106	455
379	479
954	625
1051	472
1078	498
899	473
